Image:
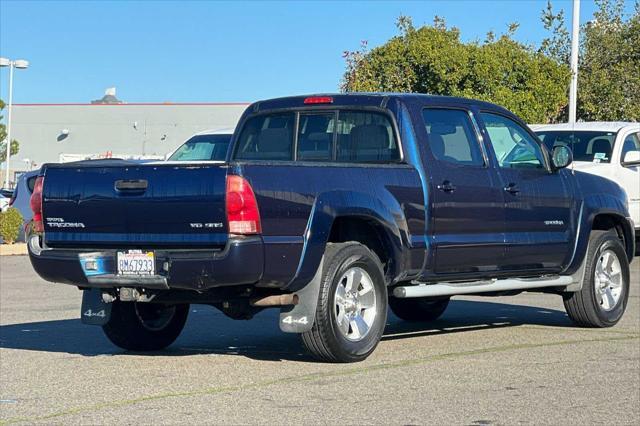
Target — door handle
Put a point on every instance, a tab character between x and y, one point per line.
512	188
131	185
446	186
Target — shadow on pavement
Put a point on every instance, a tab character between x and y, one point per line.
209	332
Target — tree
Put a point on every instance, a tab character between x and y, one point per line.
433	59
609	60
15	146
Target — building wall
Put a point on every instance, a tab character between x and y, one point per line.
122	129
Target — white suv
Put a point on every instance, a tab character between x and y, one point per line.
608	149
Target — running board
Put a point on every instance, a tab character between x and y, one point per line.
451	289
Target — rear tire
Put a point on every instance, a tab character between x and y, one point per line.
605	287
145	326
352	305
418	308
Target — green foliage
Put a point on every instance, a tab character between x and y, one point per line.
15	146
609	60
609	70
433	59
558	45
10	222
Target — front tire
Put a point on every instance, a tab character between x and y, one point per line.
352	305
605	287
145	326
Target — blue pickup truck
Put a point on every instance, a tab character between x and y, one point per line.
334	208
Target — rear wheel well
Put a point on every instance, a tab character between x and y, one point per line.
606	222
366	232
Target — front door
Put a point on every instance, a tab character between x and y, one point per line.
628	175
538	202
467	211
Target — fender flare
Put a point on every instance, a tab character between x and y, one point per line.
334	204
593	206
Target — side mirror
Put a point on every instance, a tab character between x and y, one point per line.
561	156
631	158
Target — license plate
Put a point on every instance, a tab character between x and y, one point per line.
136	262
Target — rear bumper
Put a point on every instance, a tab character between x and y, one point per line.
241	262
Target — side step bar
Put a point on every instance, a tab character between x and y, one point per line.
451	289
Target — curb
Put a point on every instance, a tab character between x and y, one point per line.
17	249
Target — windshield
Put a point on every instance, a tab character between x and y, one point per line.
591	146
203	148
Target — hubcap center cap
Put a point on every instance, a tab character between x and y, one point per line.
350	304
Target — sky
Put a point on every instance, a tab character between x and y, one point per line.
215	51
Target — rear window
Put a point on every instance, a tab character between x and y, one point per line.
344	136
267	137
315	136
203	148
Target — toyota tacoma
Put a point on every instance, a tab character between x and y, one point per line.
333	209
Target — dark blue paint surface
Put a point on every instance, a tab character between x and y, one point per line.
164	214
477	231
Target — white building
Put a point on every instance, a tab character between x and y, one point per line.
62	132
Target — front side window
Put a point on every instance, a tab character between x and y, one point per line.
267	137
451	136
203	148
590	146
512	144
631	143
365	137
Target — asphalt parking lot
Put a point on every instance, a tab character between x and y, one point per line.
487	361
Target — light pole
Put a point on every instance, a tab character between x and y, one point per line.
20	64
575	45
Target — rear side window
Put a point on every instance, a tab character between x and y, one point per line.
267	137
451	137
365	137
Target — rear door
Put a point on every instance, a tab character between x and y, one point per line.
467	212
124	204
539	203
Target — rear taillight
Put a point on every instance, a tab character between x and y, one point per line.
243	216
36	205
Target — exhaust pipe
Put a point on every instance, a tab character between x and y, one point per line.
275	300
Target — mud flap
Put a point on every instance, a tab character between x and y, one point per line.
299	318
94	310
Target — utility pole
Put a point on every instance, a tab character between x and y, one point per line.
575	44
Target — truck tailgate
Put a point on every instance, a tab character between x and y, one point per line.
118	203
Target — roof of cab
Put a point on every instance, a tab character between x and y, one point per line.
378	99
